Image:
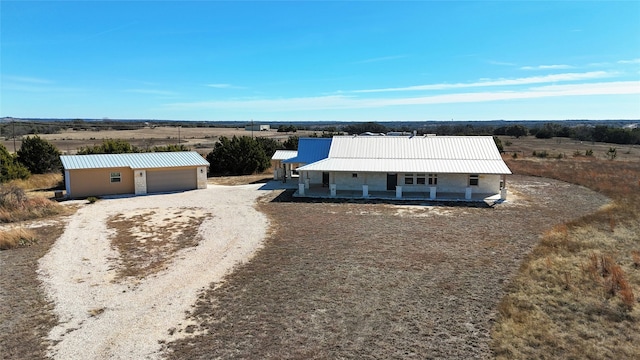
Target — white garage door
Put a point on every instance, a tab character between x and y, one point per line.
171	180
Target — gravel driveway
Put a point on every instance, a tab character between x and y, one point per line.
105	317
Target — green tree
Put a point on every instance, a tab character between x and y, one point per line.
291	143
268	145
109	146
238	156
498	144
171	148
516	131
10	168
39	156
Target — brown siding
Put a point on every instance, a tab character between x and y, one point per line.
97	182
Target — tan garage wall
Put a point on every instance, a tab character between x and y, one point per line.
97	182
171	179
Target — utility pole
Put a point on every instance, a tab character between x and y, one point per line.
252	128
13	123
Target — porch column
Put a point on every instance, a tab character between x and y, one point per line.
398	192
432	192
301	189
503	191
467	193
333	189
365	190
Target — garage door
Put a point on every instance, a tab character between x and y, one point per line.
171	180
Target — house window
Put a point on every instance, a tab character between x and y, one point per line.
433	179
116	177
354	175
408	179
473	180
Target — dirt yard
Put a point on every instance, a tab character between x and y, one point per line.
363	281
334	279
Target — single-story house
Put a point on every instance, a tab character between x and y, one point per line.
282	171
137	173
407	167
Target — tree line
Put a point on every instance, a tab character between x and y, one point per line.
239	155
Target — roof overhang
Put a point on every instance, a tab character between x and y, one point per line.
497	167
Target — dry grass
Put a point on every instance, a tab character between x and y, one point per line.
39	182
16	205
575	294
16	237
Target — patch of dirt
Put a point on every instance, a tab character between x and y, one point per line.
147	239
360	280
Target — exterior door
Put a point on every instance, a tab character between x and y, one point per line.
325	179
392	181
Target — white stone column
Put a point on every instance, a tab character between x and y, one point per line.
202	177
398	192
301	189
432	192
140	182
467	193
503	193
365	190
306	183
333	189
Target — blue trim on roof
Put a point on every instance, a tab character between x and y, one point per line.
311	150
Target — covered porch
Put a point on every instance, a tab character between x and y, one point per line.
324	192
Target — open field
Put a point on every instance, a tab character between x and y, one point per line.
378	280
199	139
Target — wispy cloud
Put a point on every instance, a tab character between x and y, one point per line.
355	102
26	79
224	86
500	63
152	92
547	67
379	59
633	61
499	82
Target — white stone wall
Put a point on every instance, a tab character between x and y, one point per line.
202	177
140	182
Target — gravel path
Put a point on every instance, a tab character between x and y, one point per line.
104	319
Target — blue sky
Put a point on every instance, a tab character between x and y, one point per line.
320	60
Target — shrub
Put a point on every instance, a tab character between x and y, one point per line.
39	156
10	168
15	205
588	152
92	199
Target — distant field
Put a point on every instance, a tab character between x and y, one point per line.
525	146
199	139
202	140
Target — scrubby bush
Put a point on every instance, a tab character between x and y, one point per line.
10	168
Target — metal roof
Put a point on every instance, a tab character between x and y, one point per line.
133	160
284	154
416	154
311	150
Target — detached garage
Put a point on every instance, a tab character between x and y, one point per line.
138	173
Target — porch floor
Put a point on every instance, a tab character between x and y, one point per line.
324	192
